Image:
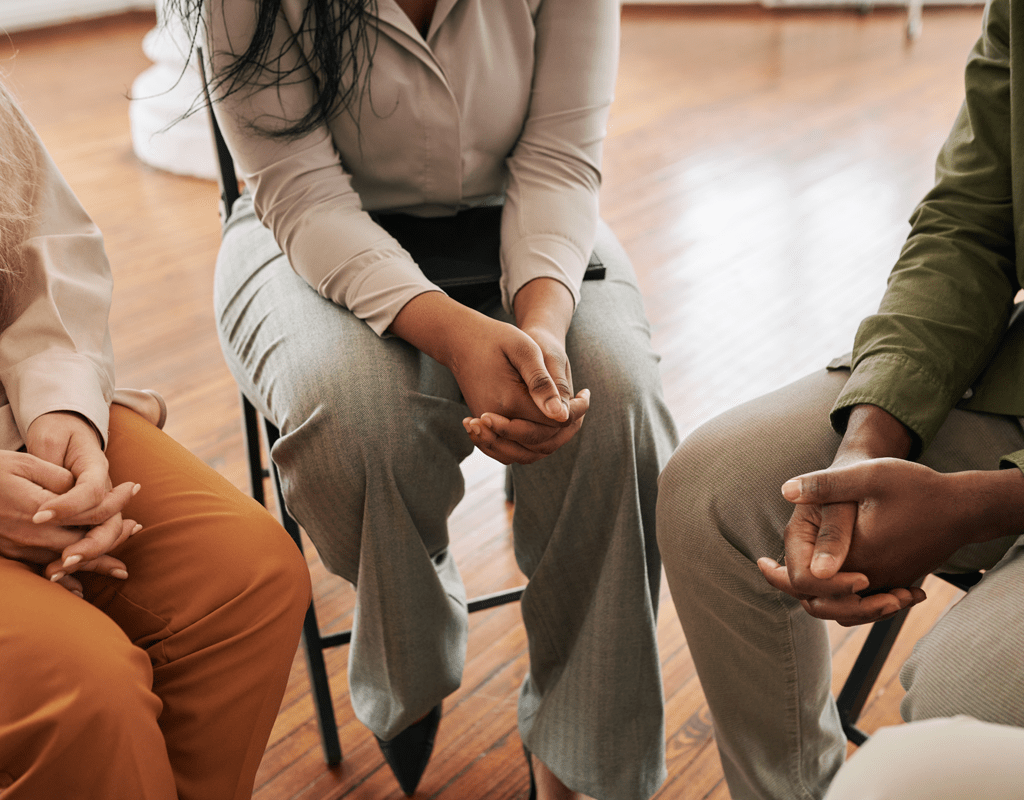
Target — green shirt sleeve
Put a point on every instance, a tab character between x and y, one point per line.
1013	460
950	293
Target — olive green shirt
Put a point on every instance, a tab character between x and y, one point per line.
947	333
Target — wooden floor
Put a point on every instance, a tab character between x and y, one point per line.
759	170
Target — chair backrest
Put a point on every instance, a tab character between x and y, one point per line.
226	176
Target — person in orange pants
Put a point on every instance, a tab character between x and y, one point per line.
149	611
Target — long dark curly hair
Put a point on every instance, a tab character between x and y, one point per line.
343	42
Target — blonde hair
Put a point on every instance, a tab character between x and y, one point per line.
20	166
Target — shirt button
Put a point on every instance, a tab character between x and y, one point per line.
968	394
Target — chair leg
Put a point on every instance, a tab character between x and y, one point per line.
495	599
253	453
862	677
317	669
313	642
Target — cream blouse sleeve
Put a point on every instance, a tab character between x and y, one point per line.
551	208
301	191
56	354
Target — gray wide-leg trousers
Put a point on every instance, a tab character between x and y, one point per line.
372	439
764	663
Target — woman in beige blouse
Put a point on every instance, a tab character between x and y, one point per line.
149	612
343	116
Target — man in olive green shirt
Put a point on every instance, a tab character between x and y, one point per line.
918	466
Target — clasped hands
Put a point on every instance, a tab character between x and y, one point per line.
859	539
520	389
516	379
58	508
869	528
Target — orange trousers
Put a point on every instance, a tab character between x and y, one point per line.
164	686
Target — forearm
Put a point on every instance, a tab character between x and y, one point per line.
433	323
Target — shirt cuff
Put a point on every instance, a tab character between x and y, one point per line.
1012	460
541	257
900	386
379	292
57	382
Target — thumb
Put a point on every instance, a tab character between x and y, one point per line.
541	385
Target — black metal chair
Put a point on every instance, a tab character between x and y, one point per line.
314	641
871	659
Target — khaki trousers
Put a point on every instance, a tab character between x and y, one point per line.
164	686
763	662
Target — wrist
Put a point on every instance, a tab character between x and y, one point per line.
544	305
992	503
872	432
59	423
433	323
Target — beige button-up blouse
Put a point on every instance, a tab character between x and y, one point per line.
502	101
56	354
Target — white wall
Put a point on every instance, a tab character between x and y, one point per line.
20	14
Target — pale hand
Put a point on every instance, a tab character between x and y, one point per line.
84	521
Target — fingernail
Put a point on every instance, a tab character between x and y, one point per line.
135	489
77	593
822	563
57	576
118	573
44	516
555	408
791	489
476	427
861	584
70	561
136	529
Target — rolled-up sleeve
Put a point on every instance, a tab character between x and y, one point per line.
950	295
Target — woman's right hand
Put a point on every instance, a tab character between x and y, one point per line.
26	484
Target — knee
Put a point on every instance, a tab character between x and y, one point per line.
253	575
628	423
948	675
274	579
692	492
342	437
347	459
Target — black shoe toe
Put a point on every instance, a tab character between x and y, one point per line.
409	752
